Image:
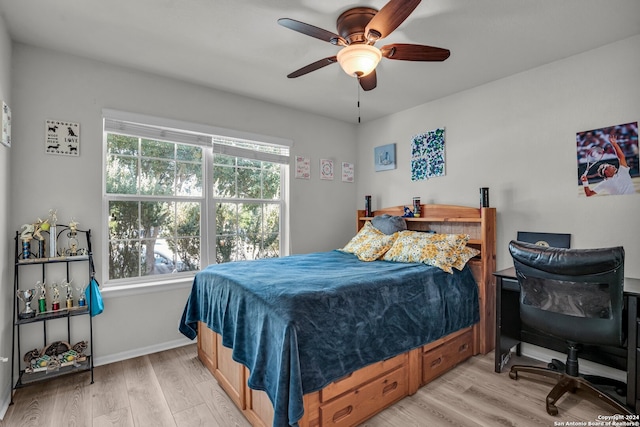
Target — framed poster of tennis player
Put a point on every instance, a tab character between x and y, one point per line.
608	160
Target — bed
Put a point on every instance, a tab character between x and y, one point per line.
330	339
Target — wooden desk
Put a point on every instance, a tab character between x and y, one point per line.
510	333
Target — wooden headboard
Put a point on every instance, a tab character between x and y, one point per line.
480	225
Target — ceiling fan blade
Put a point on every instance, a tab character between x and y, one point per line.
369	81
312	31
313	66
414	52
389	18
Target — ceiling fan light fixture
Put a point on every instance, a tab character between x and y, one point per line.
358	60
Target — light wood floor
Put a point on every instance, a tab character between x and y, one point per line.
172	388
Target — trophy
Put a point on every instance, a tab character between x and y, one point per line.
26	297
73	239
53	234
42	300
69	300
81	299
55	304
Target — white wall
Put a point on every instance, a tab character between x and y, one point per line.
6	234
517	137
52	85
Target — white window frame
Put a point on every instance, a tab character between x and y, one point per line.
207	226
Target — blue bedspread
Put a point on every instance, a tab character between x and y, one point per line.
300	322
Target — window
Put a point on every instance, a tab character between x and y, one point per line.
170	195
248	198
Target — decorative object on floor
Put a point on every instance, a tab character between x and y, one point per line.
359	28
62	138
326	169
26	296
347	172
5	125
484	197
303	167
385	157
427	155
606	157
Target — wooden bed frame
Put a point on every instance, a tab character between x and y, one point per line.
367	391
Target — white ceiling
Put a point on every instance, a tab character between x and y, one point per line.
237	45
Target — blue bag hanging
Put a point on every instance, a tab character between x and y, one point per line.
92	294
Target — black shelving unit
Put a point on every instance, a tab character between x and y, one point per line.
67	255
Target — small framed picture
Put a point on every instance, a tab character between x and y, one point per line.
5	125
385	157
347	172
303	167
62	138
326	169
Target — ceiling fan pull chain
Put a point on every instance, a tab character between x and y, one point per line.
358	85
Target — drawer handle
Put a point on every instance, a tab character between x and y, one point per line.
390	387
463	348
342	413
436	362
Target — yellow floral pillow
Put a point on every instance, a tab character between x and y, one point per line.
370	243
439	250
465	255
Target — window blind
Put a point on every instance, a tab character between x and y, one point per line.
223	141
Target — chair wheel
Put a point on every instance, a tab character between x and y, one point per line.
552	409
556	365
621	391
513	375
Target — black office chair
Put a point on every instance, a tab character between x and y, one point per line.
575	295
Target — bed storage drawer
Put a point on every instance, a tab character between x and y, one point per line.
358	404
440	359
358	377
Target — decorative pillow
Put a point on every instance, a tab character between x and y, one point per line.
370	243
439	250
465	255
389	224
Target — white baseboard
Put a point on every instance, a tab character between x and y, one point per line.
5	406
118	357
586	366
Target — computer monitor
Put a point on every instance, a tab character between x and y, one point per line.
555	240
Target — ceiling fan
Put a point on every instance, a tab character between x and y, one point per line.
359	29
